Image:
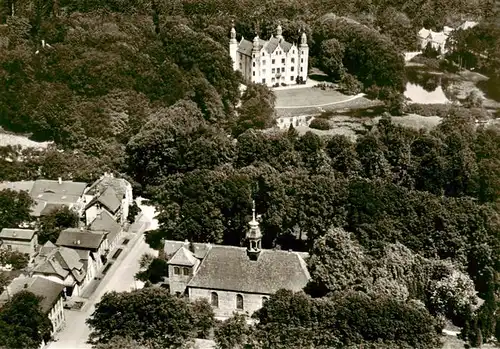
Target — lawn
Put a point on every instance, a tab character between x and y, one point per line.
306	97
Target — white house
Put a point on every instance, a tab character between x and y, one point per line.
270	62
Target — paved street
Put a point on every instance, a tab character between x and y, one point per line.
120	277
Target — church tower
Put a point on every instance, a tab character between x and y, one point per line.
233	47
254	237
304	57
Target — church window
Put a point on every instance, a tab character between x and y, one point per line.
239	301
292	68
273	61
291	78
214	299
177	270
185	271
282	61
283	69
293	59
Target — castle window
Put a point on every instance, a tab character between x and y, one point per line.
263	81
239	302
272	80
291	78
293	59
301	69
262	54
214	299
292	68
253	73
273	71
263	71
177	270
302	60
283	69
253	55
185	271
302	52
282	61
273	61
253	64
263	62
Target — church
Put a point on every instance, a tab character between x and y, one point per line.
274	62
233	279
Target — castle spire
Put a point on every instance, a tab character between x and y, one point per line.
233	33
279	31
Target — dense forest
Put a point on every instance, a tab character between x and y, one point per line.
402	226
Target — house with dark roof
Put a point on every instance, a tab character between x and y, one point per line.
51	294
273	62
21	240
110	193
104	221
233	279
80	239
64	266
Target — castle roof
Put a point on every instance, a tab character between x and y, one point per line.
229	268
245	46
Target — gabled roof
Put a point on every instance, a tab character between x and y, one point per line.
183	257
17	234
119	185
108	198
82	239
68	188
245	47
47	248
50	291
105	222
229	268
61	262
273	42
200	250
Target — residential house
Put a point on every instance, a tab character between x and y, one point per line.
21	240
104	221
51	194
438	40
233	279
108	201
122	189
80	239
62	265
51	293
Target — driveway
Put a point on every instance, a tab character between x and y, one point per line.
120	277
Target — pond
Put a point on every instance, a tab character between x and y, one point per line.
418	94
426	87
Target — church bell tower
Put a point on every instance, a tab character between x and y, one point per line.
254	237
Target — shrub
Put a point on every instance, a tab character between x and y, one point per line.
350	85
440	110
320	124
16	259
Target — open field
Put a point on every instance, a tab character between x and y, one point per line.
308	96
11	139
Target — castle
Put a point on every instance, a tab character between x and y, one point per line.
273	62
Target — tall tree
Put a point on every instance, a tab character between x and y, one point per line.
15	208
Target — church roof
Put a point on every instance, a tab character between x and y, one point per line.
183	257
229	268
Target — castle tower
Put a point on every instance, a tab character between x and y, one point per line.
303	56
233	47
254	237
279	32
256	60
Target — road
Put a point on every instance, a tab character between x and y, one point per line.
120	277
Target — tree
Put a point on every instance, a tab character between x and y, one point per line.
256	110
22	322
232	333
149	315
123	343
203	318
15	259
337	263
349	85
16	208
331	56
134	210
51	224
157	269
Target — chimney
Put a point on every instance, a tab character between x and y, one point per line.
78	242
59	180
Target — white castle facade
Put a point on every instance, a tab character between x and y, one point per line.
274	62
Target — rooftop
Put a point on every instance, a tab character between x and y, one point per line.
49	291
183	257
229	268
109	199
17	234
77	238
119	185
105	222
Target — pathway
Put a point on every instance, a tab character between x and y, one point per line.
359	95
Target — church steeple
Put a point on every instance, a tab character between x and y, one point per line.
254	237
